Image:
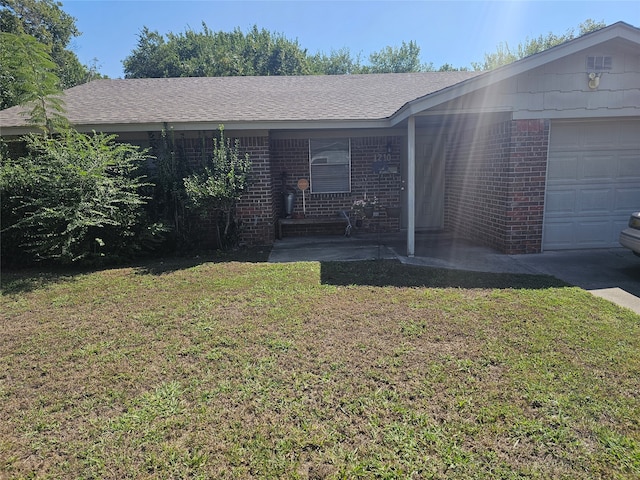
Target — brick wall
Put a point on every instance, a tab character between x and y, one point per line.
290	162
262	205
495	181
494	190
528	171
255	210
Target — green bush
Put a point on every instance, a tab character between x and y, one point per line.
75	197
168	199
217	188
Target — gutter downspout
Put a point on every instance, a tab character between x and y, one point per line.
411	186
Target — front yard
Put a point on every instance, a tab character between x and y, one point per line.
308	370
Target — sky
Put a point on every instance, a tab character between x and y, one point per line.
454	32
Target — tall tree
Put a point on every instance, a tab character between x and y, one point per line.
215	54
505	55
256	52
48	25
403	59
28	77
150	59
337	62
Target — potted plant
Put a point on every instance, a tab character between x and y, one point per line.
364	208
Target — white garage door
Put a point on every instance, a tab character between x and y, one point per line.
593	183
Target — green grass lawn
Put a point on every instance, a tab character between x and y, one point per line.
306	370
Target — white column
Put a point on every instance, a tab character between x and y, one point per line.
411	187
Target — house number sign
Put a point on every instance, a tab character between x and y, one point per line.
382	157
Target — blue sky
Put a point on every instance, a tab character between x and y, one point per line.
454	32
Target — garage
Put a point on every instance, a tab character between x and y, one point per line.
593	182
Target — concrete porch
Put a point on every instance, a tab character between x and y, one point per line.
612	273
431	249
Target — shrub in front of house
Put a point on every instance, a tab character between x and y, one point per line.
75	198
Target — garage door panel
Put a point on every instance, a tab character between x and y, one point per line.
594	201
629	166
596	138
597	167
618	226
589	233
569	138
561	202
586	136
627	200
593	183
592	234
564	168
559	235
627	135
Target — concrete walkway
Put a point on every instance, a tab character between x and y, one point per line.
330	248
613	273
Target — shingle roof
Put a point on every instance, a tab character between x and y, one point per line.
244	99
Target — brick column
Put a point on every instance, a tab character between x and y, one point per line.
526	186
255	209
495	184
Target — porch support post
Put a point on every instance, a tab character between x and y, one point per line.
411	186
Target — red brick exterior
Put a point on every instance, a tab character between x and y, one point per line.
495	184
291	156
256	210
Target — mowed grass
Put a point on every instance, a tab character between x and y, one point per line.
308	370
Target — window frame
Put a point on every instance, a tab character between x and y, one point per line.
599	63
322	145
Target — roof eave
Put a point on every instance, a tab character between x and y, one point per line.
214	125
283	124
619	30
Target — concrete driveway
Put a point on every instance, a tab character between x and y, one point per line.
613	273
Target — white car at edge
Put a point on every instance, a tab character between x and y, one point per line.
630	237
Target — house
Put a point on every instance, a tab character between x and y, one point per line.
541	154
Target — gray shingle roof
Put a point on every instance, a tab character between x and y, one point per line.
244	99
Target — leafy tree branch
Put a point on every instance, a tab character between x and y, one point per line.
505	55
28	78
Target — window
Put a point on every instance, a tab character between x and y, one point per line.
599	63
330	165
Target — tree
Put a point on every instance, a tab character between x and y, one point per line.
388	60
447	67
215	54
218	187
168	204
403	59
256	52
505	55
49	26
338	62
149	58
30	80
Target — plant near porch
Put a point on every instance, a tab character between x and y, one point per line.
363	208
218	187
